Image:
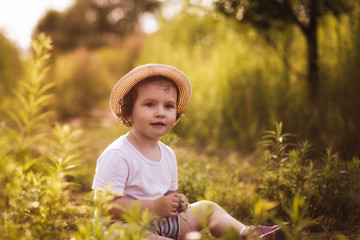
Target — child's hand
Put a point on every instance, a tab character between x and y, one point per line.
183	203
166	206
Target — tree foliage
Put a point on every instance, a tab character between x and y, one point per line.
254	84
276	14
93	23
10	65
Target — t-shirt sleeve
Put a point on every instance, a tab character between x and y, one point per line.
111	172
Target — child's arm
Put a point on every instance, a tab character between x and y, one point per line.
165	206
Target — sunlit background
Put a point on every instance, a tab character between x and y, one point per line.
19	17
271	131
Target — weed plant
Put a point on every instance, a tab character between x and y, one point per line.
321	198
36	162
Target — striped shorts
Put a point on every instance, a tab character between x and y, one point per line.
166	227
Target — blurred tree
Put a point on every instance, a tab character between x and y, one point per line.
93	23
10	65
276	14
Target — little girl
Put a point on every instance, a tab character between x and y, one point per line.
139	168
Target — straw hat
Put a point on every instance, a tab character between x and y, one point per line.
138	74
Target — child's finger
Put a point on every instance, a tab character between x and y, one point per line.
175	199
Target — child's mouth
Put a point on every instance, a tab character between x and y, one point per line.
158	124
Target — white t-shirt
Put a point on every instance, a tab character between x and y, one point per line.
123	168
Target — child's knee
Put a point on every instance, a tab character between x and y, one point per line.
207	203
204	205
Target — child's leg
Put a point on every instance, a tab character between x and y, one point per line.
207	214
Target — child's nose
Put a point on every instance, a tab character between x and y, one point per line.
159	112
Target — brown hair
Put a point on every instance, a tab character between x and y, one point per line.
127	103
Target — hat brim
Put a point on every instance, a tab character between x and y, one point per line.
129	80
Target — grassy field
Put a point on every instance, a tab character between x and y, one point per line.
47	166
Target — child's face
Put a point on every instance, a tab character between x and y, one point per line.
154	111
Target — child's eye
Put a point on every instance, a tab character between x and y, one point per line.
170	106
149	104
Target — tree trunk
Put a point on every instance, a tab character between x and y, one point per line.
312	47
313	72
